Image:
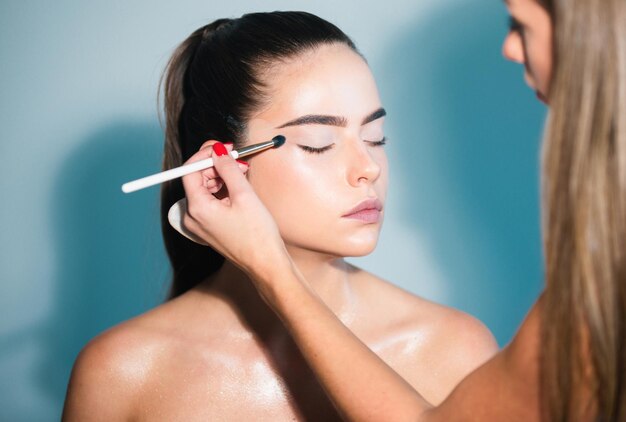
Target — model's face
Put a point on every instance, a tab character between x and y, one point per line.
529	42
327	106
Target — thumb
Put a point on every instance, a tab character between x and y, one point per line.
228	169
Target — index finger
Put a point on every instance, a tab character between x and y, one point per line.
193	183
235	181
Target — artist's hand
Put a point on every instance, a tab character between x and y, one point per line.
211	180
224	211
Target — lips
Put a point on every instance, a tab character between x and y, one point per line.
367	211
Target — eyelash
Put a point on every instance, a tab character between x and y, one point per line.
378	143
514	25
313	150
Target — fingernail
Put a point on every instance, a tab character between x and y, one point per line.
243	162
228	143
219	149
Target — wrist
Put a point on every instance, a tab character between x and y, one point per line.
264	262
277	280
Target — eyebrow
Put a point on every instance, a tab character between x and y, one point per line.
381	112
340	121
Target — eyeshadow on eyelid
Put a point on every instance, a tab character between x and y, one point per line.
313	140
372	135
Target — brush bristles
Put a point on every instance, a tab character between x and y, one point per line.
279	140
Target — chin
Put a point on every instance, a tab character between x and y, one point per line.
336	244
361	248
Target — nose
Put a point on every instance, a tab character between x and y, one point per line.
363	168
512	47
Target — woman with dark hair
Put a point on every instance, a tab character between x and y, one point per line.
216	351
568	360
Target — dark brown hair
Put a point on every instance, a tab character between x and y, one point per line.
212	85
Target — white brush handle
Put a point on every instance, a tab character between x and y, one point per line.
171	174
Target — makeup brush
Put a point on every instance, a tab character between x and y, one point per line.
184	170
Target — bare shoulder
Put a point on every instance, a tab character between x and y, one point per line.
112	370
450	331
460	343
446	324
522	354
450	343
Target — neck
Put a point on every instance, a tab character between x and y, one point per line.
328	277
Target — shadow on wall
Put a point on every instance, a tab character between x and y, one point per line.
468	131
110	257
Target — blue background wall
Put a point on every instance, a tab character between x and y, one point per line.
78	117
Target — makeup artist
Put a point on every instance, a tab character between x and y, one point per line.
567	361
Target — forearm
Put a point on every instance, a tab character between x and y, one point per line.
361	386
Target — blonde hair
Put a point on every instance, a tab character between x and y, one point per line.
584	187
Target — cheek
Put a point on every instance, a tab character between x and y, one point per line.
296	191
307	197
546	69
538	61
380	185
544	51
383	181
539	56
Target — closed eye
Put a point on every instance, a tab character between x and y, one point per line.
378	143
313	150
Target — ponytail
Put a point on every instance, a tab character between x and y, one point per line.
191	262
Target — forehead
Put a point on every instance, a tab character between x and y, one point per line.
521	4
330	80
